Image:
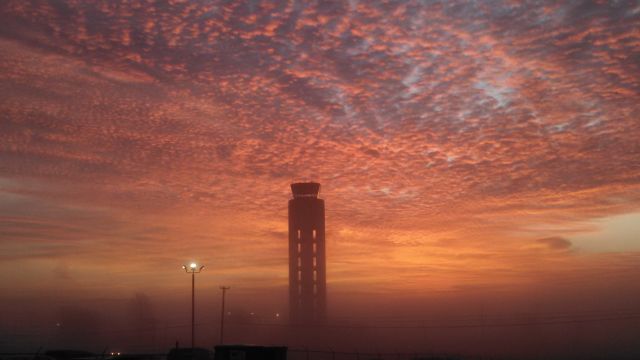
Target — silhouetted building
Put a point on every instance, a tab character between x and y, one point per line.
307	262
250	352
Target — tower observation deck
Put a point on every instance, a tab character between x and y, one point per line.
307	258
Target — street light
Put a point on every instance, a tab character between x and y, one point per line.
192	269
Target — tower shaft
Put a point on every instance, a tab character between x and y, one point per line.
307	257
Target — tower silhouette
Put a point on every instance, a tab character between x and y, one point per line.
307	262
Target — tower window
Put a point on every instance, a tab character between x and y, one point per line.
300	247
299	234
299	261
300	275
314	247
314	261
314	234
315	275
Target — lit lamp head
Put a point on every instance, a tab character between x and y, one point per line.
192	268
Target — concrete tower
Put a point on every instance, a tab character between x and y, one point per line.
307	262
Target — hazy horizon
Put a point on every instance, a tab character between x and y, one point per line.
478	160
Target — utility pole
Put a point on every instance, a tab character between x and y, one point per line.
224	291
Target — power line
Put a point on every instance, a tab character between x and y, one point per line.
546	321
445	326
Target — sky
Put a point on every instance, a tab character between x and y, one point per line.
465	149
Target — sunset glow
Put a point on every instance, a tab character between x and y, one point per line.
462	147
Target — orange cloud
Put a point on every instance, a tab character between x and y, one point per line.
456	144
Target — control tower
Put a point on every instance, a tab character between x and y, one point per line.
307	260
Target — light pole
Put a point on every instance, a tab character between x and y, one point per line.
192	269
224	291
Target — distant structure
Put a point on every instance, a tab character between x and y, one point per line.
307	261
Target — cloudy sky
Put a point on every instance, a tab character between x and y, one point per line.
460	145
